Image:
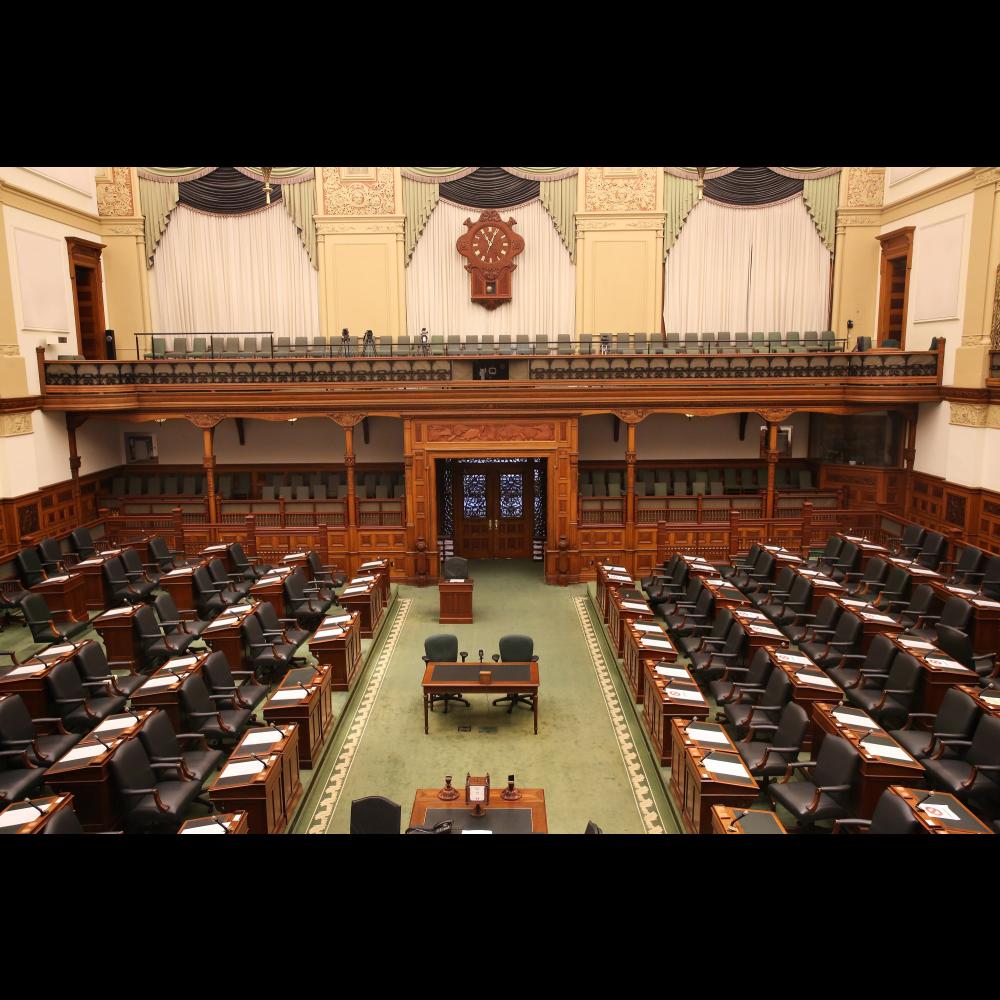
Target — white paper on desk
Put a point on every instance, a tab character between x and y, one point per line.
939	811
647	627
178	662
221	623
159	682
28	670
477	831
57	579
267	580
615	569
724	767
336	619
354	590
682	694
207	828
764	630
793	658
462	580
620	579
215	548
855	719
856	538
671	672
25	814
90	562
634	606
180	571
816	680
962	590
241	767
107	553
946	664
238	609
852	603
888	752
84	753
750	615
991	699
113	725
869	617
262	736
788	557
915	643
810	572
115	612
289	694
706	735
920	571
294	555
371	565
828	583
363	579
983	602
328	633
656	643
55	651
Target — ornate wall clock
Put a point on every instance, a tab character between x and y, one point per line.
490	246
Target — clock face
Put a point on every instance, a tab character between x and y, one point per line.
491	245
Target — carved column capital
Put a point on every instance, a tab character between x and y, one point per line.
631	416
206	421
347	419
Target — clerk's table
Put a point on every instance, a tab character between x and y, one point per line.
523	815
471	678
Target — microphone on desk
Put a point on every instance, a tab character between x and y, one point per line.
463	653
99	740
481	656
41	812
496	657
737	817
220	823
263	763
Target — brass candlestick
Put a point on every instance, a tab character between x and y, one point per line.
448	794
510	793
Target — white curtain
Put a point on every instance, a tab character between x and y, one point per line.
438	286
246	273
747	269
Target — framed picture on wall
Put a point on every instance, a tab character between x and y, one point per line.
140	448
784	441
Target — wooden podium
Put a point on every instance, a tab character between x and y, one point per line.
456	602
67	591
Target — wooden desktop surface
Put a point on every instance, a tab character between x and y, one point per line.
532	799
463	678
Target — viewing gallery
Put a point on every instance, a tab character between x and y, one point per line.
314	479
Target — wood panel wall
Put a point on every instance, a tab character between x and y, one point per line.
961	512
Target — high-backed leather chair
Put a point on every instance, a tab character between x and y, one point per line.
750	581
19	732
829	554
967	569
138	571
375	814
686	618
713	661
269	658
122	589
94	668
29	568
911	540
933	549
442	648
826	792
734	678
869	582
304	602
217	725
846	638
18	779
892	815
850	671
221	682
79	710
170	618
922	602
323	573
250	570
747	562
956	613
811	627
455	568
759	705
167	558
41	621
54	560
955	720
82	543
707	637
887	698
164	746
516	649
280	629
770	759
222	578
976	773
212	599
895	593
157	647
785	608
958	645
155	797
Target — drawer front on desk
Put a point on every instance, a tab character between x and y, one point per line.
262	801
97	804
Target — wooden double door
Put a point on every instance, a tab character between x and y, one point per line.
494	509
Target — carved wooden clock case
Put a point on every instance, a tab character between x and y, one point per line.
490	246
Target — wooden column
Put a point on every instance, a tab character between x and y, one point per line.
349	421
772	461
208	464
909	456
72	422
630	497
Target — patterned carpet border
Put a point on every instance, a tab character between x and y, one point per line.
626	743
338	776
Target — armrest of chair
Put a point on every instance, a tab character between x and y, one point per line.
51	720
198	738
820	789
213	715
976	768
795	765
147	791
23	754
861	824
920	715
948	743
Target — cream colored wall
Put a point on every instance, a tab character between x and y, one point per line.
671	436
938	271
905	182
99	444
969	456
73	187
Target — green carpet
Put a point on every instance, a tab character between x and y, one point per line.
577	757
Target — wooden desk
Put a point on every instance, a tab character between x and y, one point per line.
726	595
523	815
27	678
256	788
967	822
225	634
179	584
696	748
234	822
298	560
921	574
85	771
727	820
669	692
823	586
623	609
782	557
284	742
337	644
759	630
163	688
271	588
869	549
985	615
365	599
455	602
610	578
938	671
25	817
645	642
809	685
218	551
381	569
303	697
699	566
873	621
883	761
67	592
118	635
96	594
987	700
464	678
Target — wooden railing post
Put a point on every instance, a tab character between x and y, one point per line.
250	527
281	512
178	539
661	542
324	548
734	532
807	513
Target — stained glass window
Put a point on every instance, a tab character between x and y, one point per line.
474	495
